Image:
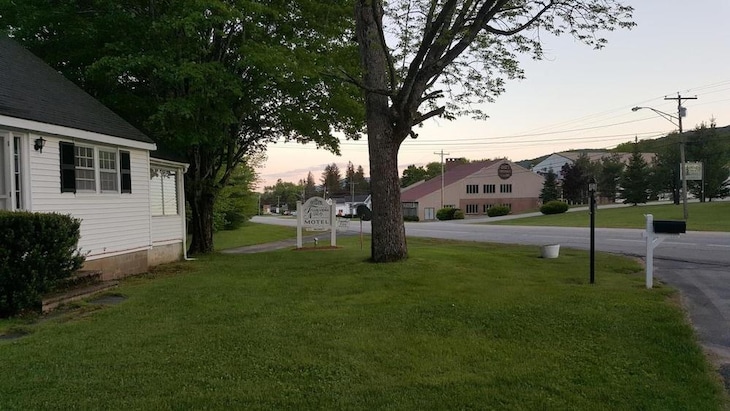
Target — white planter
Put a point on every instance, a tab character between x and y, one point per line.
550	251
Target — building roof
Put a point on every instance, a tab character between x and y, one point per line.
416	191
32	90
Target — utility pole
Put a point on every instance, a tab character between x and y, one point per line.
681	112
442	154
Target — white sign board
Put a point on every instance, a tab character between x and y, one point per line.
316	214
694	170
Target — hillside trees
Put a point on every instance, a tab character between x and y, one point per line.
705	145
609	176
212	81
444	58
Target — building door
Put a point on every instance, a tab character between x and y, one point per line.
429	213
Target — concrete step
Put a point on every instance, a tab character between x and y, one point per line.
75	294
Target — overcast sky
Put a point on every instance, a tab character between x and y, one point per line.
575	98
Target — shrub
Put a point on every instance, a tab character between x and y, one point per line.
411	218
458	214
38	251
554	207
498	210
447	213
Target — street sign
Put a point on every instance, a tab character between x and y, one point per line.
694	170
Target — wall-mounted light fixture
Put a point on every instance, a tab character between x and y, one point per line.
40	142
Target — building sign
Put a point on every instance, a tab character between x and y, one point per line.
316	214
694	170
504	171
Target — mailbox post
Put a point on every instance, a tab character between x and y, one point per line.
656	232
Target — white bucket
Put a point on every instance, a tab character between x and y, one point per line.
550	251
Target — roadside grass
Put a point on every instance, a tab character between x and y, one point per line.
456	326
714	216
250	234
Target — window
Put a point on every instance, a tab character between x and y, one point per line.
84	162
489	188
163	192
472	208
505	188
410	209
108	170
472	188
80	165
486	207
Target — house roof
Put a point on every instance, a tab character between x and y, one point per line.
416	191
32	90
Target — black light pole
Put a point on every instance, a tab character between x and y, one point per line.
592	190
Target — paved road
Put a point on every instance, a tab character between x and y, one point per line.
697	263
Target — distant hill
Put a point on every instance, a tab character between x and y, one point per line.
645	146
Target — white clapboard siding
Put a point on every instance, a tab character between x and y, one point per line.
166	229
110	222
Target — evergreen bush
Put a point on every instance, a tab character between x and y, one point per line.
38	251
498	210
554	207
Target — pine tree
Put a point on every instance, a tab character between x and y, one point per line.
635	181
550	189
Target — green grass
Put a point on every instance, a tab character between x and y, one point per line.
456	326
713	216
250	234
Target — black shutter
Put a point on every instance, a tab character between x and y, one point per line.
68	167
126	171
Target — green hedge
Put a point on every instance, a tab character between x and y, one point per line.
554	207
449	213
498	210
38	251
411	218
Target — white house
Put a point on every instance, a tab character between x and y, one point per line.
63	151
556	161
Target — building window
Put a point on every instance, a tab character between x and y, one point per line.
16	173
410	209
108	170
472	208
489	188
449	206
486	207
79	167
163	192
84	163
472	188
505	188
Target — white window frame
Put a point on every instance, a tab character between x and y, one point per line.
108	171
161	187
78	157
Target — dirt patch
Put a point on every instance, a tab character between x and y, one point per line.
108	299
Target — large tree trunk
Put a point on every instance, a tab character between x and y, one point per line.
388	231
201	223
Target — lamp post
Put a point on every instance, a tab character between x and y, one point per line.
592	190
681	111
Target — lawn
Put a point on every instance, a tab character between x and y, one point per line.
714	216
250	234
456	326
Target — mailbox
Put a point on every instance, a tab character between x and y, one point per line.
670	226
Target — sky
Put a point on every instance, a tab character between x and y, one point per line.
575	98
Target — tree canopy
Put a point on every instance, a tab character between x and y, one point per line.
439	58
213	81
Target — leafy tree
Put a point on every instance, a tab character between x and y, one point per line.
635	181
211	80
576	177
609	176
443	57
705	145
283	194
331	180
666	165
550	190
412	175
236	201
